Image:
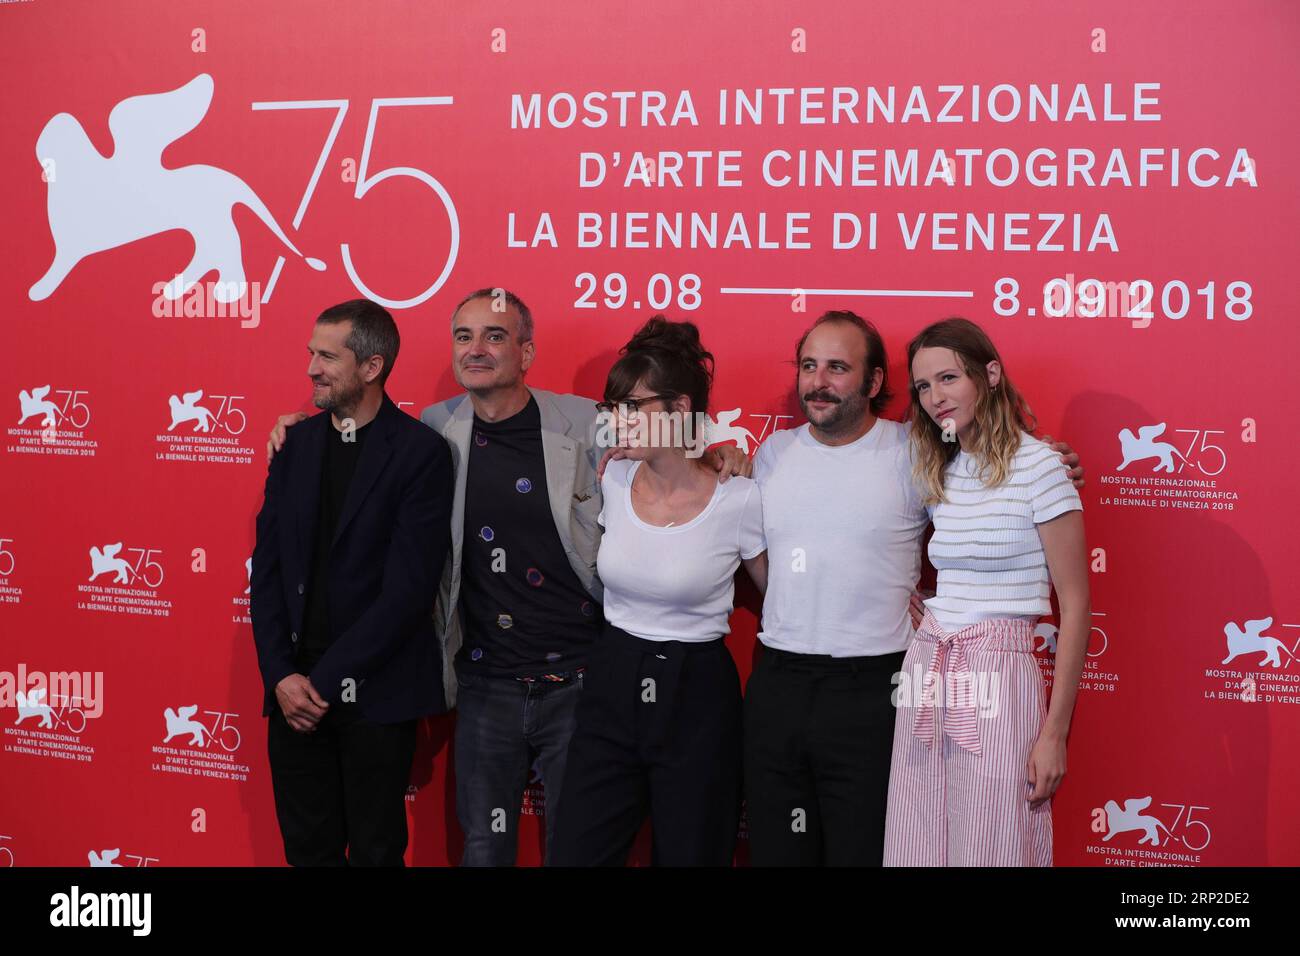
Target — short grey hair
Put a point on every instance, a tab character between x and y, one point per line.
498	294
373	331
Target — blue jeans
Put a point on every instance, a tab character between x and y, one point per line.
503	725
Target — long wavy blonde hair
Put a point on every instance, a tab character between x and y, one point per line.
1001	414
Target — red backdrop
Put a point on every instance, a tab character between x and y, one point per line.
387	129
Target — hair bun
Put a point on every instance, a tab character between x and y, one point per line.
682	339
666	357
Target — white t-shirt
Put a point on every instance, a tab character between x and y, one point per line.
675	583
986	546
843	526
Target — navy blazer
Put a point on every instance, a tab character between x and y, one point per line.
385	564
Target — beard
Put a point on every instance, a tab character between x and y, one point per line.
342	397
845	415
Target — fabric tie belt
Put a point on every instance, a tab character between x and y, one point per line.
948	676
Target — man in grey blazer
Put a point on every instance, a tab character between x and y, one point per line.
520	603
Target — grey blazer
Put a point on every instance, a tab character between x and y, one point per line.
569	429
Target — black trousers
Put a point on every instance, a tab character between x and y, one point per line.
340	791
819	734
659	732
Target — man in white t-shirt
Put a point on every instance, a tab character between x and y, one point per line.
843	522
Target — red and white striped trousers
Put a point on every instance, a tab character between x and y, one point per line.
959	779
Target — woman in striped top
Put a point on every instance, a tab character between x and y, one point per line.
977	754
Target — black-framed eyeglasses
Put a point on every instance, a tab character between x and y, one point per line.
630	406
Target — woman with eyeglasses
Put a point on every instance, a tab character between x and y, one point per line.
659	724
977	753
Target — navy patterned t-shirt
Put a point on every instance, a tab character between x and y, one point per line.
525	612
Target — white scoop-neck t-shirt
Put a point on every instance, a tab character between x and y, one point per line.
675	583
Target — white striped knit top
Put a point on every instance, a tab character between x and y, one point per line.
985	544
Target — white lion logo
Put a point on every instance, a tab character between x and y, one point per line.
1254	640
1132	818
180	722
189	411
1142	445
96	203
33	705
1047	633
101	562
724	429
37	404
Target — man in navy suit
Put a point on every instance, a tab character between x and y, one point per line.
351	542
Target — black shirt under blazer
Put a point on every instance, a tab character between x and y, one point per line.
386	562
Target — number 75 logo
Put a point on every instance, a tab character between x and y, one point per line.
365	182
